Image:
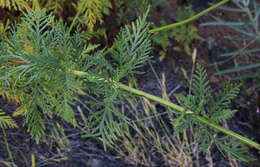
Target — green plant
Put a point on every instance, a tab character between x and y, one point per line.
126	10
6	121
88	13
152	131
214	107
188	20
183	34
186	33
41	91
42	84
15	4
163	40
44	67
249	32
56	6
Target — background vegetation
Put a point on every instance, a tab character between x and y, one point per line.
62	65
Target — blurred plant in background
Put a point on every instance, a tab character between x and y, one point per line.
18	5
87	13
91	12
128	10
247	59
184	34
163	40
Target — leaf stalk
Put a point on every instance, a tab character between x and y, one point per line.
189	19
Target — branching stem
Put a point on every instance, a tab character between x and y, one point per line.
165	102
172	106
189	19
180	109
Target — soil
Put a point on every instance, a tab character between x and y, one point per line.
80	152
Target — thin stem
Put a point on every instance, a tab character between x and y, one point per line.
163	27
189	19
197	117
10	155
173	106
167	26
178	108
154	98
228	132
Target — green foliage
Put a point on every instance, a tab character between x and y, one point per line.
56	6
187	33
233	148
15	4
184	34
200	84
41	82
127	10
130	51
6	121
163	40
38	61
91	12
214	107
247	30
88	12
220	103
37	64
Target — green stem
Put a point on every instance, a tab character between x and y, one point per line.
228	132
175	24
167	26
175	107
198	118
154	98
189	19
179	108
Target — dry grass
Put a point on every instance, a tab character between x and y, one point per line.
150	142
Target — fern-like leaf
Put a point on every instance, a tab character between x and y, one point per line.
224	98
6	121
200	84
228	145
223	115
132	48
215	108
91	12
41	83
56	6
35	124
15	4
108	122
188	102
220	102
